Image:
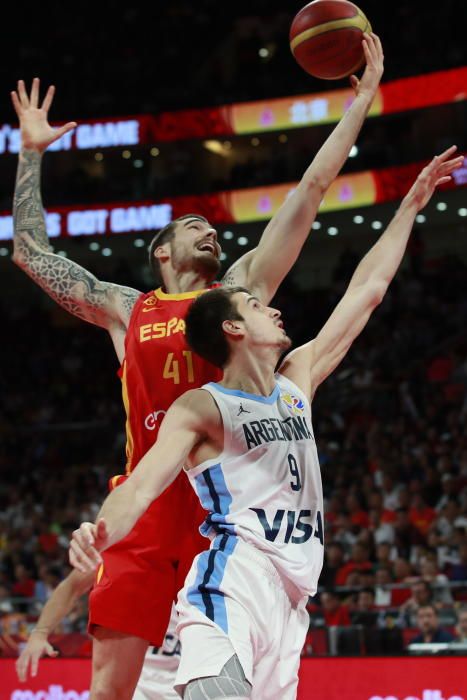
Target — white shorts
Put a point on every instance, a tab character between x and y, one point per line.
235	602
157	678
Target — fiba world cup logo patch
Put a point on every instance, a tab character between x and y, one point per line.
295	405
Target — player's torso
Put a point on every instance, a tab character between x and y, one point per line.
158	367
266	486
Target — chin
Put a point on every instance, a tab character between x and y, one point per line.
207	264
285	343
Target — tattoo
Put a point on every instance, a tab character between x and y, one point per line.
28	214
76	289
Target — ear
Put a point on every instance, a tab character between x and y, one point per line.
233	328
162	253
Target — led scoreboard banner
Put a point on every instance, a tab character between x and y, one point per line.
262	116
235	206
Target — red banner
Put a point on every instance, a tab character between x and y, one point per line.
261	116
235	206
441	678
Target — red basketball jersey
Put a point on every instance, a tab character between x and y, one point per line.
158	367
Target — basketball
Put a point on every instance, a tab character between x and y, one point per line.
326	38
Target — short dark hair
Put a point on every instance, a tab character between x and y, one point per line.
163	236
204	320
428	605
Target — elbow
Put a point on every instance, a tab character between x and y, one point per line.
316	184
376	291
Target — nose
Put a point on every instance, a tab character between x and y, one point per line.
212	233
274	313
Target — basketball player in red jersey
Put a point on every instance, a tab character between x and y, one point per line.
131	601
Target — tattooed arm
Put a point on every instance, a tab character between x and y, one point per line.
73	287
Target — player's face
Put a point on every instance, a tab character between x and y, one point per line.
195	247
263	324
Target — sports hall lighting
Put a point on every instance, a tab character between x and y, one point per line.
154	151
358	219
106	252
420	218
62	253
228	235
333	230
94	245
316	225
3	252
255	141
441	206
223	256
377	225
227	145
138	163
126	154
462	211
138	243
263	52
243	240
99	156
283	138
353	152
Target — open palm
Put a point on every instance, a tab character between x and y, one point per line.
36	132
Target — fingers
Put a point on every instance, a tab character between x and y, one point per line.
80	559
16	103
101	529
22	667
65	129
23	96
354	81
48	98
50	651
35	93
445	154
35	663
372	48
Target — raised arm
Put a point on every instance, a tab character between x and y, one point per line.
310	364
189	422
262	270
73	287
60	603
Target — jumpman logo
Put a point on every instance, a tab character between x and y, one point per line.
242	410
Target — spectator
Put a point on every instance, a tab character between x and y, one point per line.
461	628
335	613
333	561
458	572
428	624
359	561
365	612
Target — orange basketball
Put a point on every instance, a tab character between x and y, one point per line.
326	38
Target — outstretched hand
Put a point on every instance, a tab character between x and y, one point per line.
374	58
86	543
437	172
36	132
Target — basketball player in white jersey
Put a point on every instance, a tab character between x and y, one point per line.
248	449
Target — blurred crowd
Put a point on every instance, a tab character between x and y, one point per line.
390	427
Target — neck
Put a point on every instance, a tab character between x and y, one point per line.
252	371
176	282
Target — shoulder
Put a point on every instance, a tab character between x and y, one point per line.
196	405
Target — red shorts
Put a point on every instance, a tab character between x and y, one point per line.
142	574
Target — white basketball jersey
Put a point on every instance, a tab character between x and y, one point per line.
265	488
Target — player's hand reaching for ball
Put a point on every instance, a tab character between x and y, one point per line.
36	132
374	57
86	543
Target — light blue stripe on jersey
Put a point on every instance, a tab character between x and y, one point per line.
215	498
273	396
206	594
